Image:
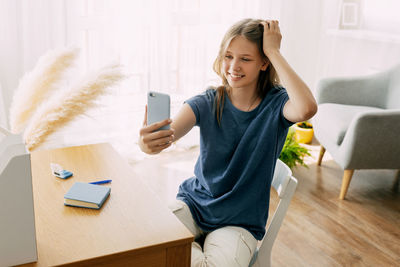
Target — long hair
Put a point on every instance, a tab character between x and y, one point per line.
252	30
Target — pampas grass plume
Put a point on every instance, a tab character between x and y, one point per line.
64	106
39	84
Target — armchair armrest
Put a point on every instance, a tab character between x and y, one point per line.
372	141
368	90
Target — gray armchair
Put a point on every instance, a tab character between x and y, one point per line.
358	122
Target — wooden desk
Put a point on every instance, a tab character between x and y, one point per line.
133	228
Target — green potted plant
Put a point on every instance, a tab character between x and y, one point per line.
292	152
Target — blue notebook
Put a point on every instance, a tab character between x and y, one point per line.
86	195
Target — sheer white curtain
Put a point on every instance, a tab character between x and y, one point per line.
27	30
9	58
3	118
7	40
167	46
170	46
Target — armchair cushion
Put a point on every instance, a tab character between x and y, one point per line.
333	120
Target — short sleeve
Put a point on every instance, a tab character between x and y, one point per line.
283	98
193	103
201	104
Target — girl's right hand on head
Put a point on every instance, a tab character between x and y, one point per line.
271	37
152	141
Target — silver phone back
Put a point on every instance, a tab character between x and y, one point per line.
158	108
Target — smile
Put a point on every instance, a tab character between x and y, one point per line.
236	76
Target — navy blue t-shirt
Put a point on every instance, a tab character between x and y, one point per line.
234	171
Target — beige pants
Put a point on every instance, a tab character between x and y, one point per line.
228	246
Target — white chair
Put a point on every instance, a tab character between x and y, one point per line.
285	185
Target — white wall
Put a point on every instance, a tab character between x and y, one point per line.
356	52
315	48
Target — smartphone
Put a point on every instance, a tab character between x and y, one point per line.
158	108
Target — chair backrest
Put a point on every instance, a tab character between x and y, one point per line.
285	185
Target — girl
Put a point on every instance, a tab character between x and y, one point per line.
243	126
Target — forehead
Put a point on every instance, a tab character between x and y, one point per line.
241	45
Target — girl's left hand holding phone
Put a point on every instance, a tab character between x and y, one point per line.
152	141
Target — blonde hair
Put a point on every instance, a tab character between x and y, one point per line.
252	30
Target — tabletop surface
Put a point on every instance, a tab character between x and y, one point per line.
133	218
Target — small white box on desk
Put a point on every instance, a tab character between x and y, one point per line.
17	218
